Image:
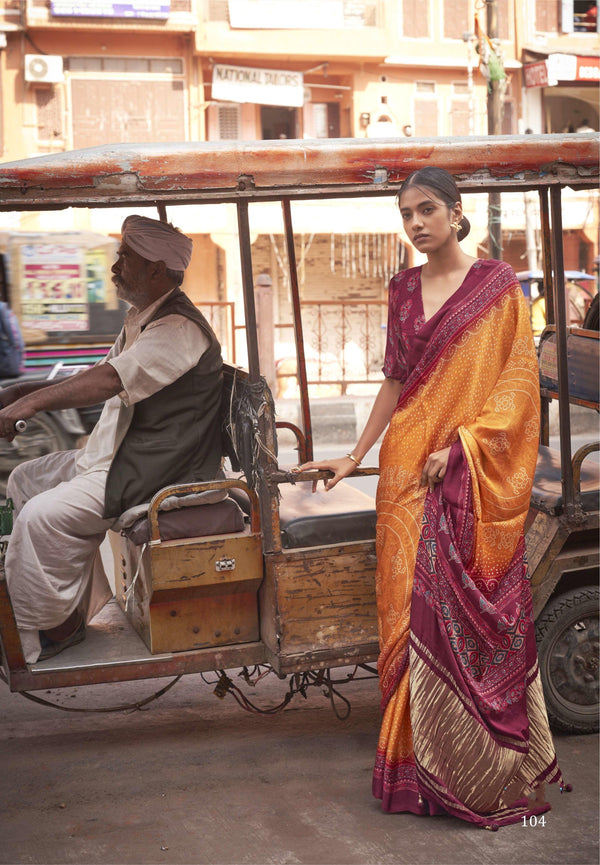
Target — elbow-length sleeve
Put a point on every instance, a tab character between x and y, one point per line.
395	365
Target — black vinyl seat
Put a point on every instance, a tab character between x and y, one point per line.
310	519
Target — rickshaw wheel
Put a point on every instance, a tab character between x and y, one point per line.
42	436
567	637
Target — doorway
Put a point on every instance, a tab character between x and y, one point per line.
278	122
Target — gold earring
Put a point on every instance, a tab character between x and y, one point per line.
455	226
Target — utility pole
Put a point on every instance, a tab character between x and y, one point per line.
494	114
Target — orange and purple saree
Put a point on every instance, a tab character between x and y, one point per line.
464	728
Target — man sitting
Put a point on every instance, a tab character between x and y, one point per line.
162	382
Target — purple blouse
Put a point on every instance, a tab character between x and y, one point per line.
407	330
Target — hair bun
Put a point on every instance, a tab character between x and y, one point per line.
465	228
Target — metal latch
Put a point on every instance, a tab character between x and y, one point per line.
225	565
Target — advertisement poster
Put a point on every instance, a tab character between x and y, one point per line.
54	287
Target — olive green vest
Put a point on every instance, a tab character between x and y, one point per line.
173	436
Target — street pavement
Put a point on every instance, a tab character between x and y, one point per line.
193	779
190	779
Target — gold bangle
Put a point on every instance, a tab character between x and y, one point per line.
354	459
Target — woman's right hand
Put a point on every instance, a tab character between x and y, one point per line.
341	468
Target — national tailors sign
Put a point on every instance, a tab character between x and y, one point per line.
261	86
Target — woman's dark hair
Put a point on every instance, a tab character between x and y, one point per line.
443	184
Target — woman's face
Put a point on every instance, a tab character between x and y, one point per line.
427	219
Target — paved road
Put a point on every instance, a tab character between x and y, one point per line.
192	779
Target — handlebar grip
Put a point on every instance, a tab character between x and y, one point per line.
20	426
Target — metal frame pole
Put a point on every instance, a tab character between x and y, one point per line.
560	308
248	286
298	335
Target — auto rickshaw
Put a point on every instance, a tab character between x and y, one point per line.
271	574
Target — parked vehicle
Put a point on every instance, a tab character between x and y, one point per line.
581	289
292	586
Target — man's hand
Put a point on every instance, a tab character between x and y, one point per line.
11	393
88	387
10	415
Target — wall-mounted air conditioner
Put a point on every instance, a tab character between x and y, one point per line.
43	68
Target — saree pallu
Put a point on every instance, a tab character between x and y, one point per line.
464	729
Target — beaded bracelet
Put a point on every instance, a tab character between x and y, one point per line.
354	460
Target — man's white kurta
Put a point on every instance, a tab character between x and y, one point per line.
52	563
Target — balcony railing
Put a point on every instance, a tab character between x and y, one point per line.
344	342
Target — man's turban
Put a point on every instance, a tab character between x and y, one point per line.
157	241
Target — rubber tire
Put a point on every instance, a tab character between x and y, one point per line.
42	436
567	654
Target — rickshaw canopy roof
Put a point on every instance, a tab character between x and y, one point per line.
124	174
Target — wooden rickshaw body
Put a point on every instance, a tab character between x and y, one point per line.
253	596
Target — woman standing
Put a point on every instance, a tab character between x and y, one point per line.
464	729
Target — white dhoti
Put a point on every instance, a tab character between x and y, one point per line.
53	565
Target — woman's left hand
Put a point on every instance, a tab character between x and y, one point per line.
435	467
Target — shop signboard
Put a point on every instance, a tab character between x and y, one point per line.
111	8
286	14
536	74
588	69
260	86
561	67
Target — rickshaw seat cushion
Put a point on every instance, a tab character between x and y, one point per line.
546	494
309	519
224	517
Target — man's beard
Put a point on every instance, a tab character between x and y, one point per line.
129	295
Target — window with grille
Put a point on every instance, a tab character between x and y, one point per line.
126	65
580	16
425	86
228	120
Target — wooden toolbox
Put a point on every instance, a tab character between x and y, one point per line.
192	593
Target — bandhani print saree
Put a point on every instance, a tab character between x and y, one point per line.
464	729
